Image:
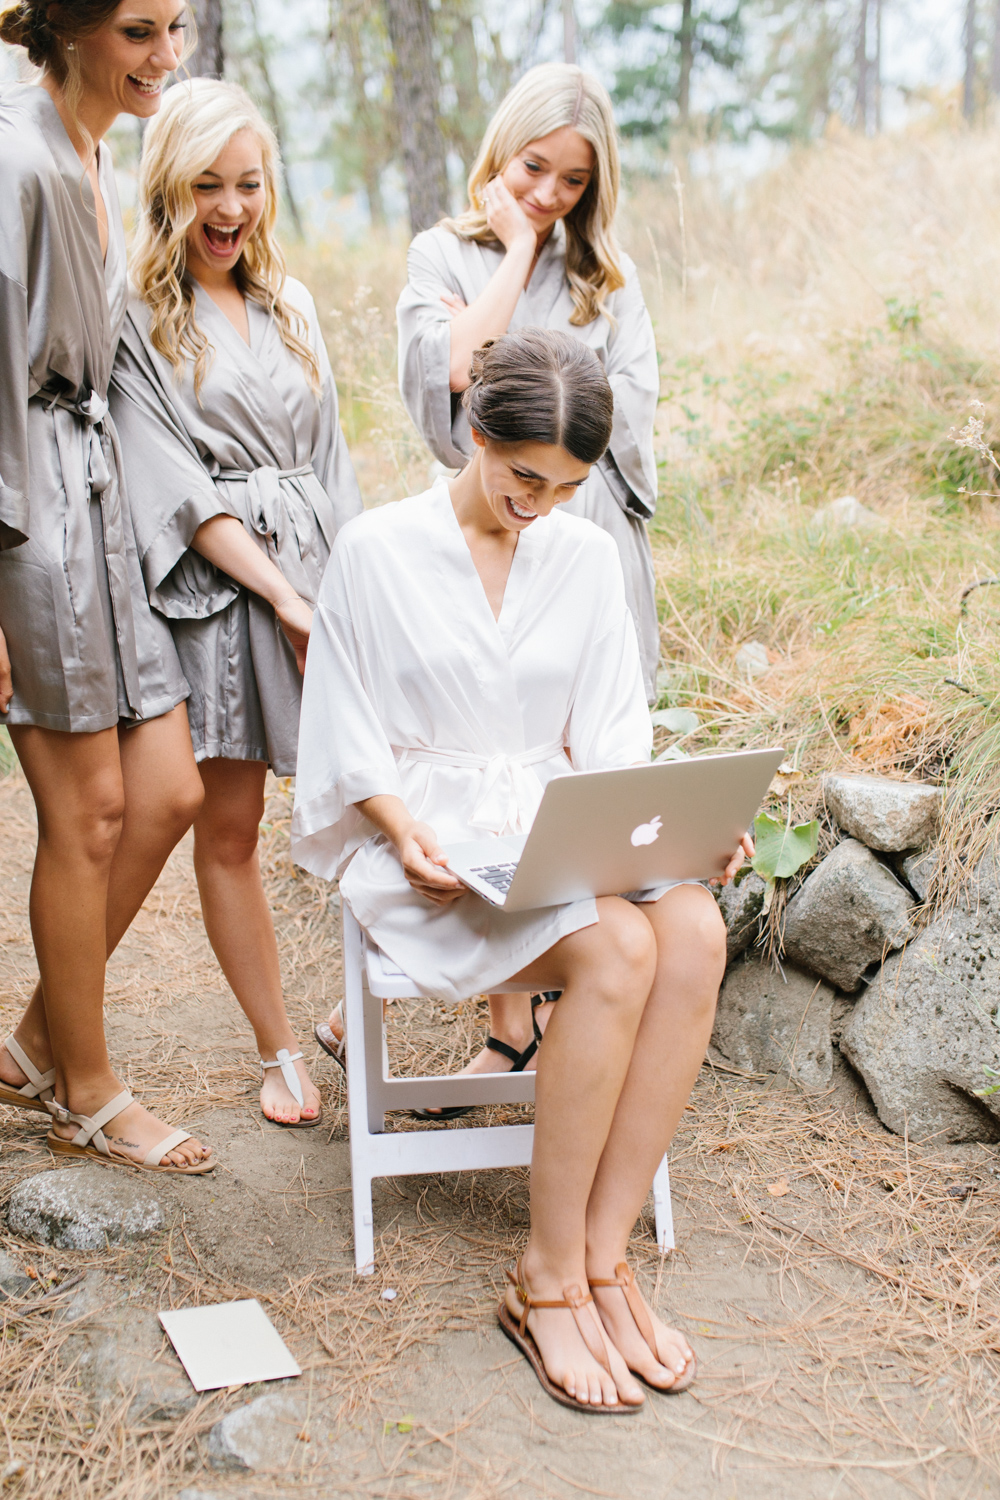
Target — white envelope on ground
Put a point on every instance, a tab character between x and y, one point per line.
229	1343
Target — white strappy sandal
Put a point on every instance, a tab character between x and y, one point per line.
36	1093
90	1140
286	1061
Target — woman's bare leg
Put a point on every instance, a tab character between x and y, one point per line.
238	920
82	784
605	972
673	1034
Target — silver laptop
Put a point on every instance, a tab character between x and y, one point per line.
606	833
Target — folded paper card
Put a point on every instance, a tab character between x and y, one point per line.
229	1343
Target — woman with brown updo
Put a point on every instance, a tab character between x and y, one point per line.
90	686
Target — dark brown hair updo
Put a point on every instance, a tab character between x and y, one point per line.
43	28
537	386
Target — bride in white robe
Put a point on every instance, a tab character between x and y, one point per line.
536	248
468	644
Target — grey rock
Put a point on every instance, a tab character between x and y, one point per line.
83	1208
923	1032
190	1494
773	1023
885	815
847	511
752	659
263	1434
121	1354
741	905
917	869
13	1282
848	915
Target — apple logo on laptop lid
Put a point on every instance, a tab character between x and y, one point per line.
646	833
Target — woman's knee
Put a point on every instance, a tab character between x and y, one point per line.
87	825
226	837
625	963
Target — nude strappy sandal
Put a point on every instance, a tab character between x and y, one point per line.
327	1039
519	1334
91	1142
624	1278
286	1061
36	1093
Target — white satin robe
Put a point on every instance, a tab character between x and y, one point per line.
257	443
413	688
620	495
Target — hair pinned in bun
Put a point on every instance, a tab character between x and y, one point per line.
44	28
540	386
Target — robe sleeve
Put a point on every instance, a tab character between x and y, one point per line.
424	326
609	724
344	755
331	460
15	229
171	493
634	374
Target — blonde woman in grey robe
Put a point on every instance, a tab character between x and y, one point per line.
90	688
536	248
239	479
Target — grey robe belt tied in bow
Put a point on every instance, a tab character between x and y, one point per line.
281	515
97	429
509	792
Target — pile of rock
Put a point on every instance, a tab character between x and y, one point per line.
914	1011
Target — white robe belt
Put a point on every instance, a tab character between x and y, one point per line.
509	792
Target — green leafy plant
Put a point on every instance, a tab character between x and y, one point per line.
991	1088
781	849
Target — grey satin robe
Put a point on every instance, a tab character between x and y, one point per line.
256	444
86	651
620	495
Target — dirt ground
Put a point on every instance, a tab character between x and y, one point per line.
838	1283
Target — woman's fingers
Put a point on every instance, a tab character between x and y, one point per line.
6	681
295	618
453	302
745	851
504	214
424	864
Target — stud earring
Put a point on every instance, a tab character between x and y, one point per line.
70	46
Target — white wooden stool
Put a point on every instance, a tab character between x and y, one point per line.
369	978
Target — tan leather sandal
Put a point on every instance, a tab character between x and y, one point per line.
34	1094
91	1142
518	1333
624	1278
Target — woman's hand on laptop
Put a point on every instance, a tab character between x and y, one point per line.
423	859
745	851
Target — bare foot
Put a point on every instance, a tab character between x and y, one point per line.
134	1132
567	1360
673	1366
277	1102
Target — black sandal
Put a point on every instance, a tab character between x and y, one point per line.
519	1061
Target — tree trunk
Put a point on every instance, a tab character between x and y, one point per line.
687	62
273	108
995	57
364	115
416	87
861	106
207	59
969	81
569	31
877	89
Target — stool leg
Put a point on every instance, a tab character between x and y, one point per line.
662	1208
364	1231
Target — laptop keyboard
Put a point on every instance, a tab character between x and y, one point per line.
498	876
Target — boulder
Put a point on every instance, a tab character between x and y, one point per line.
263	1434
83	1208
771	1022
849	513
917	869
884	815
926	1028
123	1354
13	1282
848	915
741	903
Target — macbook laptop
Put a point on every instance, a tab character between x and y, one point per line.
607	833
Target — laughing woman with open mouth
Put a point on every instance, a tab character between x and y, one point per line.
239	479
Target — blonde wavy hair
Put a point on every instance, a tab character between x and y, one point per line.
196	121
550	98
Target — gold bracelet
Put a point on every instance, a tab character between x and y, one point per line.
287	600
